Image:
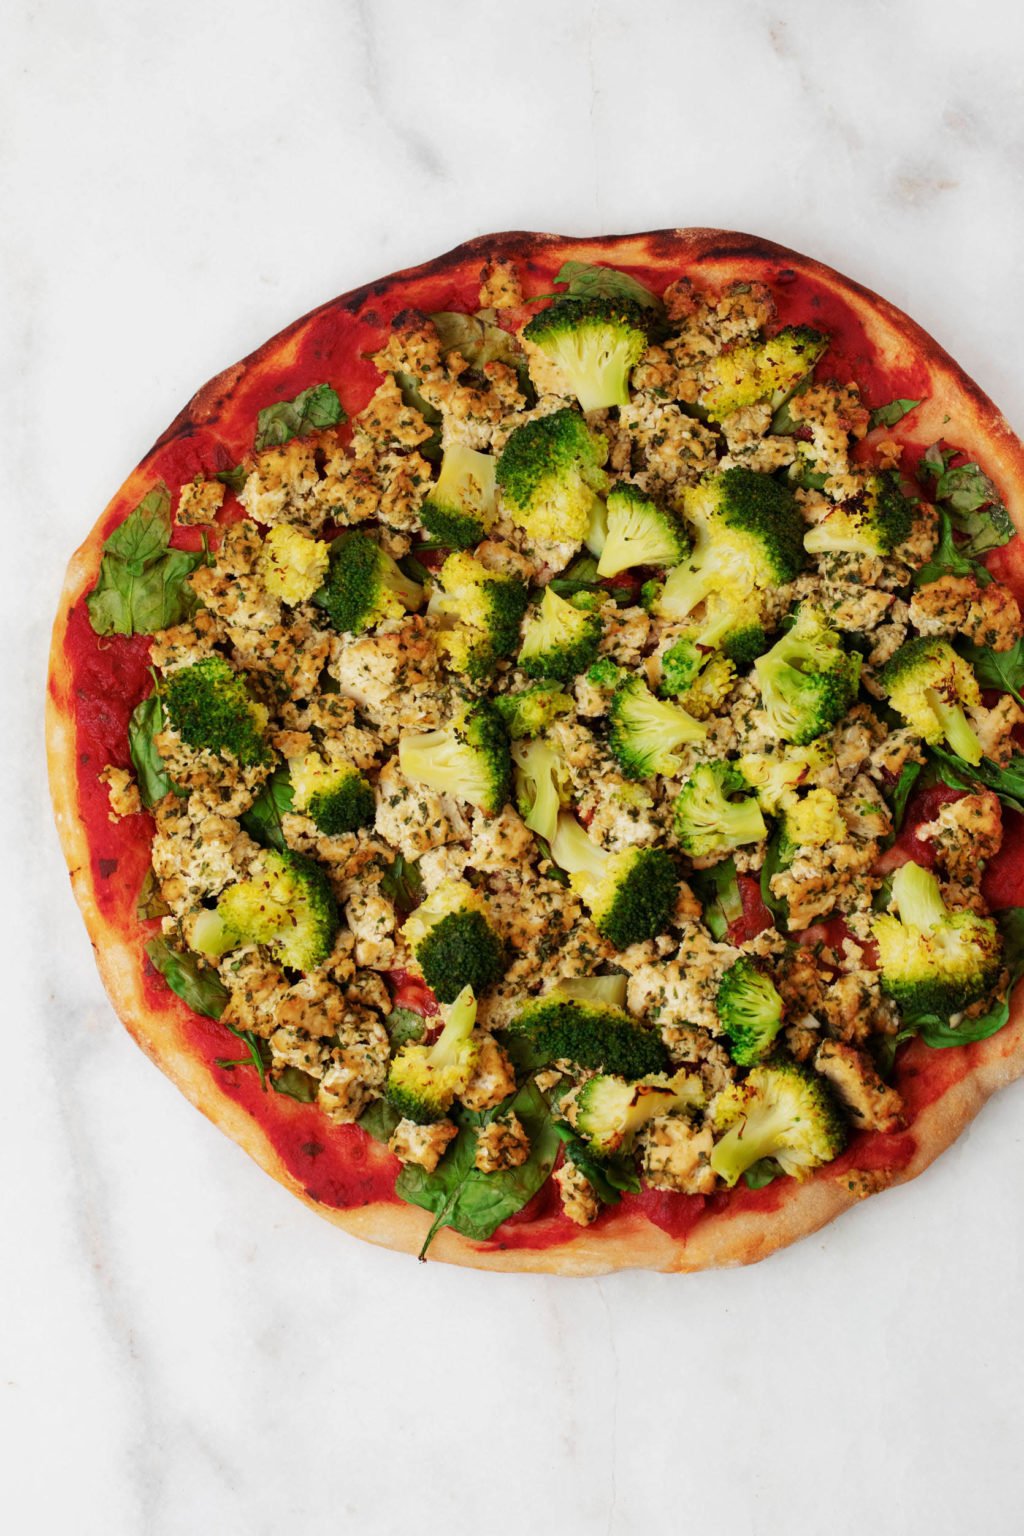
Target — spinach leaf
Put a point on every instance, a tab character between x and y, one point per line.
379	1120
262	820
997	669
234	479
939	1033
476	339
719	894
146	722
190	978
974	504
402	884
587	280
884	1048
889	415
1007	782
609	1176
765	1171
472	1203
410	392
949	557
149	903
310	411
778	907
293	1083
404	1025
900	792
142	584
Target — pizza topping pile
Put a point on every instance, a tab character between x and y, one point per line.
577	691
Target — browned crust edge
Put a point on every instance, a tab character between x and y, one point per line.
728	1238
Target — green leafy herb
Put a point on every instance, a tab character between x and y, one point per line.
475	1203
884	1048
404	1025
234	479
262	820
900	792
146	722
1006	782
587	280
889	415
149	903
610	1177
310	411
255	1058
402	884
998	669
973	503
581	576
143	583
765	1171
379	1120
410	391
295	1084
719	894
190	978
777	906
939	1033
477	339
949	558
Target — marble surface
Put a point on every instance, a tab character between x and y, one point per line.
182	1346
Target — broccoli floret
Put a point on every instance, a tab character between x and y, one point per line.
680	667
333	795
423	1080
930	685
781	1111
810	821
873	522
750	1009
644	731
744	641
364	586
774	779
209	706
715	812
604	674
630	894
749	541
452	942
531	711
468	758
541	784
590	1034
597	527
292	564
549	473
709	686
608	1111
933	960
483	609
560	640
807	680
593	343
460	508
288	905
640	532
760	370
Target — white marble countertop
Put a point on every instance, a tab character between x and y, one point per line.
183	1346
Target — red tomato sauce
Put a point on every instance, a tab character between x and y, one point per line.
340	1166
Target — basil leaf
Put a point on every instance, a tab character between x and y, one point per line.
402	884
972	501
310	411
939	1033
142	584
948	557
472	1203
609	1177
765	1171
778	907
149	903
719	894
293	1083
409	389
404	1025
997	669
900	793
1006	782
262	820
889	415
587	280
146	722
234	479
476	340
379	1120
190	979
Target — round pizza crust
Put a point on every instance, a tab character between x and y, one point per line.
621	1239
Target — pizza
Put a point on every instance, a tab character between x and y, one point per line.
536	746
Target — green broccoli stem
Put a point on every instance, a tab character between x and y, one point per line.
573	851
956	728
459	1019
753	1136
743	822
918	899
